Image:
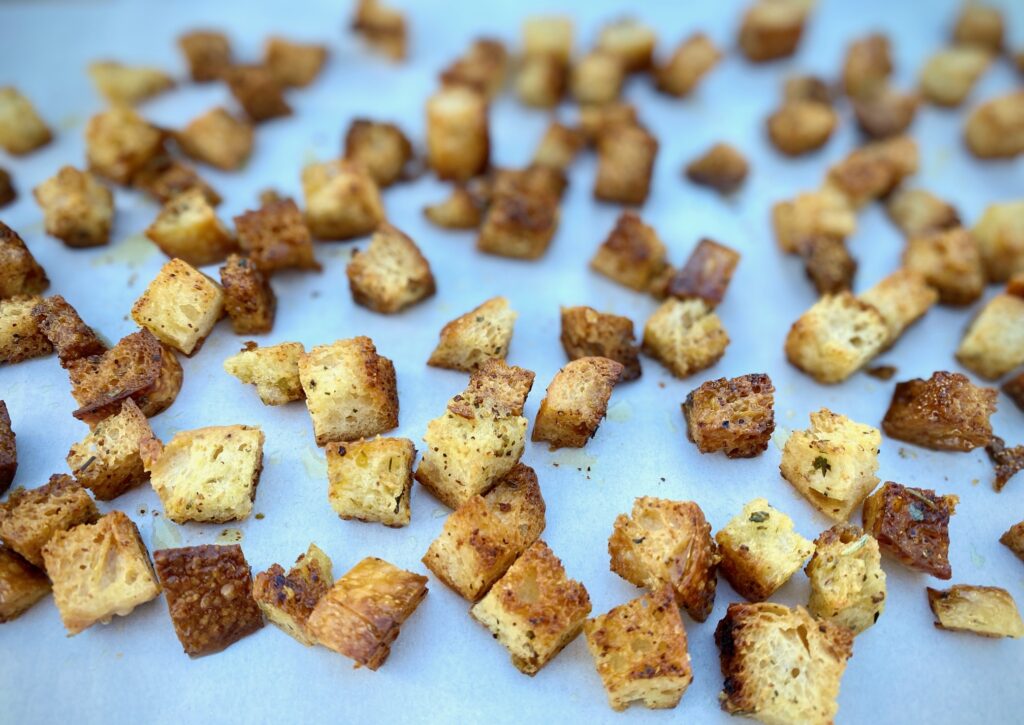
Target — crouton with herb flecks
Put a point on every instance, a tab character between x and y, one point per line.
986	611
589	333
342	200
293	64
21	585
951	262
484	333
20	336
60	324
381	147
736	416
287	600
685	336
276	237
771	29
836	337
20	273
632	255
918	212
371	480
180	306
721	167
208	54
693	59
912	526
258	91
391	274
625	164
902	298
217	138
576	401
8	450
128	85
77	208
187	227
945	413
274	370
458	140
249	299
119	143
107	461
382	27
1000	238
30	518
21	128
847	581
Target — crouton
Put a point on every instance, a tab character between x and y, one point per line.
836	337
626	155
771	29
208	54
828	264
721	167
994	343
217	138
350	390
119	143
20	274
21	128
482	67
587	332
275	237
8	194
137	367
548	36
60	324
541	81
248	298
370	480
667	542
77	208
187	227
979	25
381	147
945	413
209	596
986	611
736	416
8	450
807	88
461	210
382	27
1006	461
258	91
912	526
902	298
342	200
293	64
483	333
361	614
107	461
822	213
760	550
630	41
1013	539
519	224
274	370
596	120
685	336
534	610
30	518
874	170
531	181
597	77
180	306
632	255
693	59
949	75
781	665
950	261
391	274
164	178
833	463
995	129
287	600
20	336
576	402
128	85
799	127
885	113
482	537
480	437
847	580
919	213
867	65
640	652
706	274
99	570
558	147
21	585
1000	238
458	140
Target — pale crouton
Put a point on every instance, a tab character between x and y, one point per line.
995	129
558	147
274	370
867	65
736	416
950	261
180	306
21	585
693	59
520	223
99	570
482	537
350	390
249	299
208	54
217	138
667	542
799	127
107	461
640	652
945	413
836	337
685	336
119	143
293	64
30	518
164	178
461	210
458	140
597	77
8	194
986	611
902	298
576	402
391	274
20	336
918	213
632	255
596	120
382	27
342	200
1013	539
370	480
833	463
822	213
128	85
483	333
706	274
275	237
721	167
994	343
912	526
482	67
541	81
534	610
20	273
1000	238
8	450
258	91
979	25
828	264
949	75
548	35
360	616
625	164
77	208
287	600
21	128
587	332
187	227
381	147
885	113
781	665
209	596
771	29
847	581
60	324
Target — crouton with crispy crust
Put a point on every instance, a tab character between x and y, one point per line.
484	333
77	208
391	274
274	370
735	416
587	332
187	227
342	200
576	402
180	306
287	599
912	526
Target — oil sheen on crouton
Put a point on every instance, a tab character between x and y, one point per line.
217	138
589	333
287	600
626	155
342	200
1000	238
799	127
8	450
21	128
995	129
128	85
274	370
945	413
847	580
370	480
275	237
484	333
293	64
30	518
912	526
949	75
208	54
721	167
21	585
685	336
902	298
986	611
632	255
736	416
107	461
836	337
119	143
20	336
381	147
20	274
258	91
60	324
706	274
382	27
994	343
180	306
77	208
187	227
771	29
918	212
951	262
458	141
693	59
391	274
576	401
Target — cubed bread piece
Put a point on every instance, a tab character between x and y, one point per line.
799	127
20	336
484	333
371	480
836	337
951	262
20	274
847	580
208	54
99	570
360	616
693	59
667	542
519	224
1000	238
274	370
482	537
21	585
382	27
258	91
919	213
483	67
540	81
275	237
1013	539
119	143
342	200
576	401
885	113
760	550
986	611
912	526
1014	389
949	75
293	64
164	177
630	41
833	463
21	128
381	147
351	391
461	210
249	299
945	413
391	274
994	343
107	461
8	450
495	388
548	35
589	333
722	167
995	129
874	170
771	29
217	138
828	264
187	227
980	25
60	324
180	306
822	213
209	596
8	193
902	298
808	88
534	610
597	77
77	208
736	416
596	119
640	652
128	85
706	274
287	600
207	474
30	518
632	255
625	164
458	140
1007	461
781	665
867	65
685	336
558	147
137	367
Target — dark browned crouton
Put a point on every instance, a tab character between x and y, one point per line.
61	325
771	29
107	461
706	274
208	54
288	599
521	221
8	194
293	64
736	416
482	67
945	413
632	255
248	298
1013	539
258	92
587	332
721	167
912	526
20	274
1007	461
8	450
626	155
21	585
576	402
381	147
276	237
496	389
30	518
828	264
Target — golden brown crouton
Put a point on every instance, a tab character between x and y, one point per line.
99	570
771	29
77	208
350	390
458	140
382	27
30	518
287	600
686	336
549	35
576	401
994	343
534	610
949	75
208	54
885	113
8	194
781	665
847	580
902	298
187	227
20	274
258	92
597	77
833	463
381	147
587	332
461	210
721	167
8	450
119	143
107	461
867	66
1013	539
987	611
558	147
360	616
128	85
630	41
163	178
483	333
632	255
799	127
826	212
596	120
217	138
874	170
945	413
249	299
482	67
995	129
293	64
391	274
1000	238
828	264
209	596
371	480
21	585
950	261
180	306
519	224
342	200
1006	461
60	324
836	337
918	213
736	416
690	62
640	652
760	550
482	537
275	237
979	25
626	155
706	274
21	128
807	88
912	526
20	336
495	388
274	370
541	80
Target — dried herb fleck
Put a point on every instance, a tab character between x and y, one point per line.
759	517
821	464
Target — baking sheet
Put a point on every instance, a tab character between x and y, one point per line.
444	667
